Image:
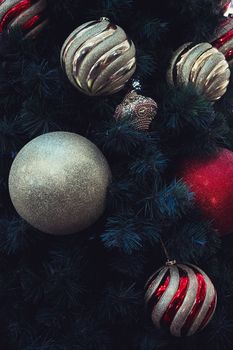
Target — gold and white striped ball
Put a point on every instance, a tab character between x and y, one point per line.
181	299
29	15
98	58
203	66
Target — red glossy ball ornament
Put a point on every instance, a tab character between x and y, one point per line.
29	15
181	299
211	180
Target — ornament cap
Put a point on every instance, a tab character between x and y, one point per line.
170	262
104	19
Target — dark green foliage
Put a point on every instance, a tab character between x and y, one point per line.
86	291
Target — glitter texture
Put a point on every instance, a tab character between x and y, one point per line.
212	182
27	14
140	109
58	183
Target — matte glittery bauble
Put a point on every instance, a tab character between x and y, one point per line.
58	183
203	66
211	180
98	58
139	109
29	15
181	299
223	39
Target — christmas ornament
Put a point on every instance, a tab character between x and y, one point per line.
201	65
225	4
181	299
98	58
223	40
140	109
29	15
58	183
211	180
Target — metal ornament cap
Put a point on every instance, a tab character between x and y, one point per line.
98	58
181	298
203	66
58	183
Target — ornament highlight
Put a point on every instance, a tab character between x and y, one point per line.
211	180
140	109
181	299
203	66
29	15
58	183
223	40
98	58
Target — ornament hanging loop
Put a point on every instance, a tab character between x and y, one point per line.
169	261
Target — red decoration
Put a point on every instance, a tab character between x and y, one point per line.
27	14
223	40
226	4
181	299
211	180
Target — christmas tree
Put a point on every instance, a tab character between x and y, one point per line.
170	191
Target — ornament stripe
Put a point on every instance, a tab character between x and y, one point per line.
167	296
69	41
200	63
206	304
158	289
38	7
200	297
209	313
14	11
187	304
188	60
153	282
177	300
119	76
86	48
106	59
223	39
86	33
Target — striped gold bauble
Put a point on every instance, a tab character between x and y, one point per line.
98	58
203	66
181	299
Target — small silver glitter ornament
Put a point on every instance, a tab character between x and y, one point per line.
181	298
140	109
58	183
98	58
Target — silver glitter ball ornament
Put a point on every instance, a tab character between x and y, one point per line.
203	66
98	58
139	109
58	183
181	299
28	15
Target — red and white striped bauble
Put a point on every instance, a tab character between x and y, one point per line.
29	15
223	39
225	4
181	299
